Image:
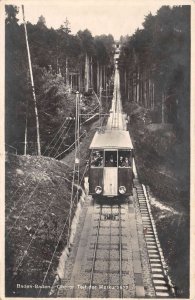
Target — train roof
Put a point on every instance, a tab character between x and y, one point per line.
111	139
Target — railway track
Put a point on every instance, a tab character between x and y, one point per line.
118	254
109	217
161	280
107	263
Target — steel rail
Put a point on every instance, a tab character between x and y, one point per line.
120	256
94	255
109	253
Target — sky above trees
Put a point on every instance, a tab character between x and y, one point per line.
100	17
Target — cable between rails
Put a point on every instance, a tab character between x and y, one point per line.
94	255
110	239
120	256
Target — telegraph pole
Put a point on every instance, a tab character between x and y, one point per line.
32	86
26	125
77	139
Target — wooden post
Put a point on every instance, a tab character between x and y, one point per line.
32	86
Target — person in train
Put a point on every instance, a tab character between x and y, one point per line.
98	160
111	163
120	162
126	163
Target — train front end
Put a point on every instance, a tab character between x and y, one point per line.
111	160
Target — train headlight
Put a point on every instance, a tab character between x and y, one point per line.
122	189
98	189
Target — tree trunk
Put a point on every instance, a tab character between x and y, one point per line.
86	73
98	77
79	81
104	85
149	92
91	84
153	93
134	86
67	77
163	108
71	81
137	87
125	82
145	98
141	86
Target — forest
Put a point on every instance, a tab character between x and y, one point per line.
62	63
155	67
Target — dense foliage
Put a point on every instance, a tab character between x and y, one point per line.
62	63
155	66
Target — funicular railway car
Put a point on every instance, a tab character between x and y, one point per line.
111	161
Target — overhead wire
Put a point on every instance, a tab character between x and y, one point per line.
62	141
70	211
55	135
70	145
68	219
18	217
63	130
27	202
14	194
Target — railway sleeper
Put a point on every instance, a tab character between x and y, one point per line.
108	248
112	259
107	271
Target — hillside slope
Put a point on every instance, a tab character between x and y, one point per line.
38	191
36	208
162	160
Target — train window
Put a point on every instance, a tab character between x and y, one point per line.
110	158
97	158
124	158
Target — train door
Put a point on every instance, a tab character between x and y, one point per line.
125	174
110	173
96	171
